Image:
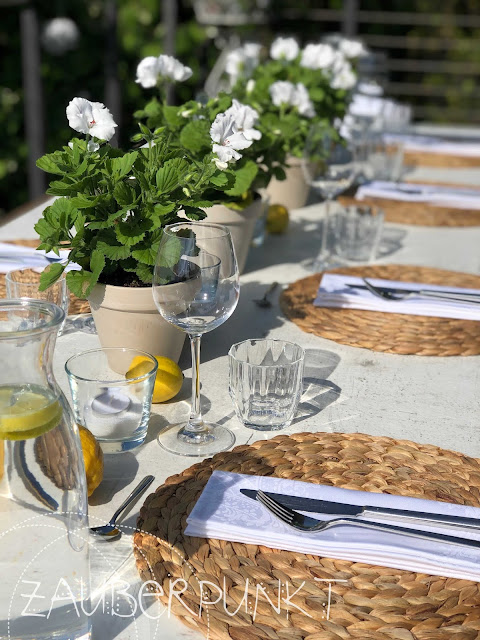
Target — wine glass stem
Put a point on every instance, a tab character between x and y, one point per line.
195	423
323	247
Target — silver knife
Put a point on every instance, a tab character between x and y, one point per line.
454	295
338	508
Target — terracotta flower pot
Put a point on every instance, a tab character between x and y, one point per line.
128	317
293	191
241	225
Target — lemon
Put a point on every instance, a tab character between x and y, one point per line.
277	219
92	458
169	378
27	414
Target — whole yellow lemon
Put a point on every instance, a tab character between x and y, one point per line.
92	458
169	378
277	219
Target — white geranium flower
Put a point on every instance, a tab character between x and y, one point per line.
284	49
301	99
90	117
343	76
352	48
242	61
282	92
295	95
250	86
147	72
227	139
318	56
245	118
171	68
151	68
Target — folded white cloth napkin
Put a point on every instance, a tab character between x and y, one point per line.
224	513
440	196
433	144
335	292
14	256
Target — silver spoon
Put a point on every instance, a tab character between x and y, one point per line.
110	530
265	302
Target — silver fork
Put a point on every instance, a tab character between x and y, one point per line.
311	525
424	293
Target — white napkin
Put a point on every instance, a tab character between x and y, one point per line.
14	256
432	144
224	513
440	196
334	292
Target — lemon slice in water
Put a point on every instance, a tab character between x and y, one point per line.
26	414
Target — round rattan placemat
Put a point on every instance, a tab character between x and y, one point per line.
429	159
374	603
419	213
388	332
76	305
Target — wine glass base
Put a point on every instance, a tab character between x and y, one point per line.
324	263
212	439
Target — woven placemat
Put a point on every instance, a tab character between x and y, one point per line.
429	159
419	213
388	332
374	603
76	305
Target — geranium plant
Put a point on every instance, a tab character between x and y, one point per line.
232	131
112	204
294	88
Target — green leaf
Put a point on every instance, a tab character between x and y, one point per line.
279	173
79	283
163	209
131	232
244	176
195	135
114	252
317	94
50	163
79	224
146	255
172	117
124	194
145	273
172	250
97	263
219	179
83	201
122	166
50	275
194	213
171	174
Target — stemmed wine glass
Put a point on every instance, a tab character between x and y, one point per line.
329	167
196	288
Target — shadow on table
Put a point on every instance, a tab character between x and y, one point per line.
318	392
248	321
391	242
159	423
301	240
120	469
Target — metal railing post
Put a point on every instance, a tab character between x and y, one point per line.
113	96
350	18
169	13
32	99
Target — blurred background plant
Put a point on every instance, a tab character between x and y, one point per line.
433	57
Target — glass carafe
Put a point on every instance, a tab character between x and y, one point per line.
44	571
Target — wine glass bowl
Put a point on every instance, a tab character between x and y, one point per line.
329	165
196	288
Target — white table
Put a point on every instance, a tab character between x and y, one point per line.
427	399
